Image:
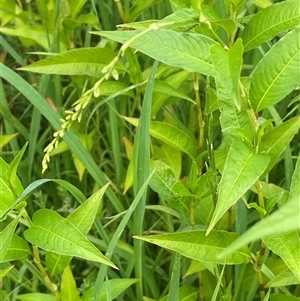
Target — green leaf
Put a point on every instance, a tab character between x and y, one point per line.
174	80
162	182
235	119
117	286
277	74
287	277
138	7
75	7
270	21
69	290
242	169
228	65
281	297
287	246
170	156
188	51
4	139
36	296
170	135
5	271
6	237
82	218
54	233
275	141
284	220
7	196
195	267
18	249
110	87
295	185
186	293
174	281
166	89
196	245
36	34
84	61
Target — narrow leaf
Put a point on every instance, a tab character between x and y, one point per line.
196	245
295	186
170	135
54	233
284	220
277	74
270	21
242	169
6	236
275	142
84	61
36	296
69	290
188	51
117	286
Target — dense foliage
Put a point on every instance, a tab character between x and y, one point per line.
149	150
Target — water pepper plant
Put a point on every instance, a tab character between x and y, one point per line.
200	105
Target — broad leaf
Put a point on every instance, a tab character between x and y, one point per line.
82	218
69	290
84	61
281	297
284	220
117	286
188	51
162	183
275	142
196	245
138	7
18	249
54	233
277	74
170	135
270	21
242	169
186	293
287	277
287	246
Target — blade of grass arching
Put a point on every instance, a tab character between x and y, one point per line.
141	164
113	243
71	139
174	281
11	51
114	123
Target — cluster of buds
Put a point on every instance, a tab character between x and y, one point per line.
71	116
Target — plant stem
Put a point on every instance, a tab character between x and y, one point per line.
121	11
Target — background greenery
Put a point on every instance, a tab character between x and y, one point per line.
201	147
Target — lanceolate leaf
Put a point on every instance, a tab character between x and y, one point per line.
196	245
82	218
18	249
170	135
84	61
285	219
242	169
186	50
54	233
269	22
69	291
228	66
36	296
287	246
6	236
277	74
275	142
295	186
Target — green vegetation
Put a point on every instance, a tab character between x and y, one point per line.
150	150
